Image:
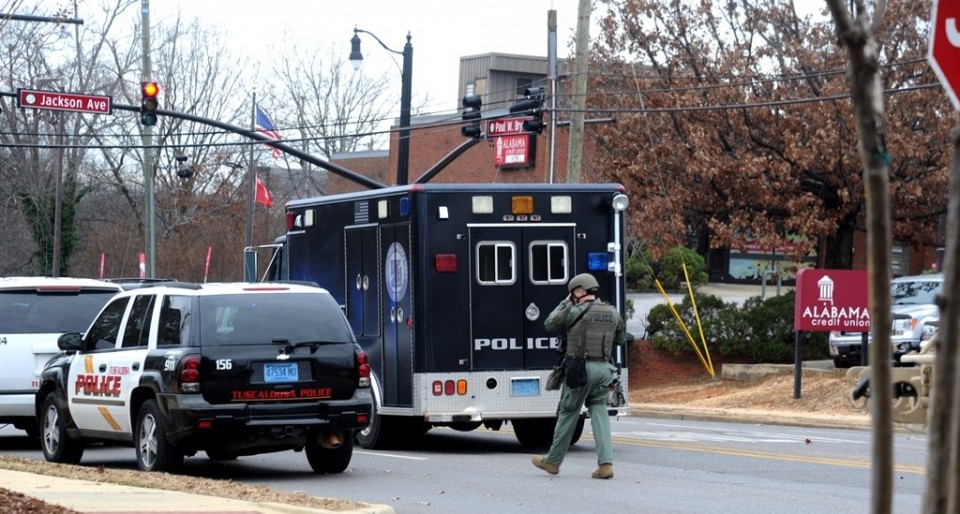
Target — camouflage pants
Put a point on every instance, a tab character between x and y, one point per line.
594	396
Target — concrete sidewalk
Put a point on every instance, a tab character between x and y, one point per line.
91	497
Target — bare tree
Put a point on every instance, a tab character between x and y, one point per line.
199	194
49	56
863	52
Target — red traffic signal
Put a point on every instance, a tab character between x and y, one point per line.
149	103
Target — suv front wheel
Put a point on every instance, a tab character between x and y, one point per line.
154	452
57	445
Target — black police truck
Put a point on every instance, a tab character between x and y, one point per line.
447	286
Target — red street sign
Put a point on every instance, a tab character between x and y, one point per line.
831	299
64	101
944	53
506	126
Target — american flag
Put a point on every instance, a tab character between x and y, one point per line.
265	126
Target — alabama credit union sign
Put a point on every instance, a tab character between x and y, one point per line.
513	148
831	300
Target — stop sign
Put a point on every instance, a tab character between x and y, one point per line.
944	54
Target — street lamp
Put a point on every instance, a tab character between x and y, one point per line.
356	58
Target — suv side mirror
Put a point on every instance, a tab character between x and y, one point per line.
70	342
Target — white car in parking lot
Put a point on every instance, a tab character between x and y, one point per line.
914	300
34	311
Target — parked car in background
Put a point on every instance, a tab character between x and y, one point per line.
914	302
34	311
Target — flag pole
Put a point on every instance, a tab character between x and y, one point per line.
251	176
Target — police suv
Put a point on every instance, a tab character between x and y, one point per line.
227	369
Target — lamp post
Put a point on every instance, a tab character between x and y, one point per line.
356	58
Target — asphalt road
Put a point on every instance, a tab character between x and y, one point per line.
661	466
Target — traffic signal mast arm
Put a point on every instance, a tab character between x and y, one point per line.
249	134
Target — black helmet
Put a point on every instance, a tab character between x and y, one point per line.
584	280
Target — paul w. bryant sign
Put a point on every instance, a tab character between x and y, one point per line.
35	99
831	300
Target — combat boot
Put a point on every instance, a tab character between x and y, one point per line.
604	471
542	463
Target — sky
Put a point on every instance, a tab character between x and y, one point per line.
442	31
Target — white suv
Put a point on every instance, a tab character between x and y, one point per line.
34	311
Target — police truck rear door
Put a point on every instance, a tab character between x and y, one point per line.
519	274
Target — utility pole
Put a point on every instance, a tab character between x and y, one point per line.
58	201
147	137
574	161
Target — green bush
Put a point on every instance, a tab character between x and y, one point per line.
641	271
639	274
670	268
761	330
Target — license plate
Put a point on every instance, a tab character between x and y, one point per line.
525	386
280	372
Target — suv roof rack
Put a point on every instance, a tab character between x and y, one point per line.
172	283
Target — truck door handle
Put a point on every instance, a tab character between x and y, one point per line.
103	367
136	366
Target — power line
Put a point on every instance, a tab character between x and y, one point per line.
454	120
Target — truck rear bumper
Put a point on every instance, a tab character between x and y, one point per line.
195	423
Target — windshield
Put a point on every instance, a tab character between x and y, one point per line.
239	319
918	292
33	312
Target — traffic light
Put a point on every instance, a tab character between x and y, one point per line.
536	124
149	103
532	104
471	114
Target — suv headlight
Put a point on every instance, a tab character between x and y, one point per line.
903	325
928	331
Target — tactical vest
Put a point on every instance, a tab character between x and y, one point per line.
593	336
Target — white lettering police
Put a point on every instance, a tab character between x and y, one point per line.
511	343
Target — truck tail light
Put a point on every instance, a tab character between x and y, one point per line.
450	387
363	369
445	263
188	374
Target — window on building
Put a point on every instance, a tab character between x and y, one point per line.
523	83
899	260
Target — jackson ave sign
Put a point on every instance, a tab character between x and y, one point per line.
831	300
31	98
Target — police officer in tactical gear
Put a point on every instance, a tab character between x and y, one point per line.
593	337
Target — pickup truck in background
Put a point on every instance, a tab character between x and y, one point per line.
914	300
